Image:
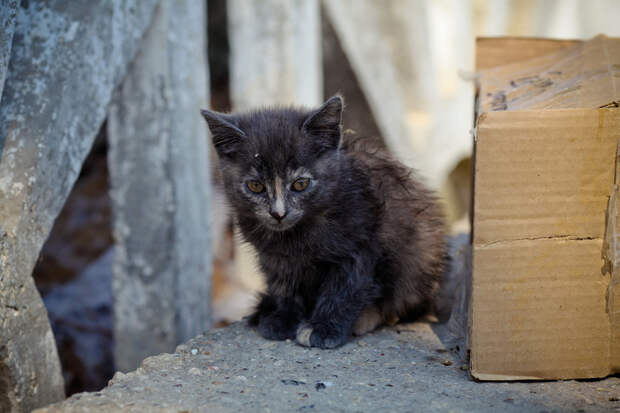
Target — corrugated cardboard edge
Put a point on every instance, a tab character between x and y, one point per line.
611	254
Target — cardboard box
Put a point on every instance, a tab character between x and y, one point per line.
546	285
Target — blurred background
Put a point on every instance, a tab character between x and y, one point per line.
406	71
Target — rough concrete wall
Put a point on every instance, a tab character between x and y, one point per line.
275	54
396	48
275	58
387	45
8	12
64	64
158	163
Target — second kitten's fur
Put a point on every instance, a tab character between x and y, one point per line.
346	236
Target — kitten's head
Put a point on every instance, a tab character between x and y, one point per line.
279	165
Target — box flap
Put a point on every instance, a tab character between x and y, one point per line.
584	75
498	51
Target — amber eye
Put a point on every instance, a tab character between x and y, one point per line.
301	184
256	187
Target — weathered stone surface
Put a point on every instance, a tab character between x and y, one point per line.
275	54
398	369
394	37
64	64
407	63
8	12
158	163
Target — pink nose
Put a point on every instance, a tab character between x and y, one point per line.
277	215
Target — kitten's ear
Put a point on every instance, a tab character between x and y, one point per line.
325	123
226	136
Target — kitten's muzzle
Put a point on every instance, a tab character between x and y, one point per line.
278	215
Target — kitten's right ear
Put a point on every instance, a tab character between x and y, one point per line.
226	136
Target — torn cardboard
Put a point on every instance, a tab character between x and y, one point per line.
612	260
545	301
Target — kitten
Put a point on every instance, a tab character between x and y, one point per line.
347	238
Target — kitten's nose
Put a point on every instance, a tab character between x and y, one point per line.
277	214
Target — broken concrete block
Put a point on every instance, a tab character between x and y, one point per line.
64	64
8	12
158	163
404	368
275	54
421	105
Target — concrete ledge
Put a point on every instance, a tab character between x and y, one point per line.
404	368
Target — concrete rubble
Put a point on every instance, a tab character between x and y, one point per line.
45	133
275	52
405	368
159	176
8	13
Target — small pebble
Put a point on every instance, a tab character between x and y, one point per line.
292	382
194	351
194	371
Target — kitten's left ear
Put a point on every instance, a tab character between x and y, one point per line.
325	123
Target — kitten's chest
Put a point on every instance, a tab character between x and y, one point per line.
294	264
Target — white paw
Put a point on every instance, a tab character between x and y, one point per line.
303	335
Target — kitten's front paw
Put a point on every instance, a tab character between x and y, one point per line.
319	335
278	326
267	305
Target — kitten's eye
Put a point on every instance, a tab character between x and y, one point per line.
256	187
301	184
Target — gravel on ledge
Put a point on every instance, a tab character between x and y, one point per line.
405	368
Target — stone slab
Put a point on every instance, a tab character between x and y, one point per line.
400	369
8	12
159	163
64	64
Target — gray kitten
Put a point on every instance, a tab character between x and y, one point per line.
347	237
